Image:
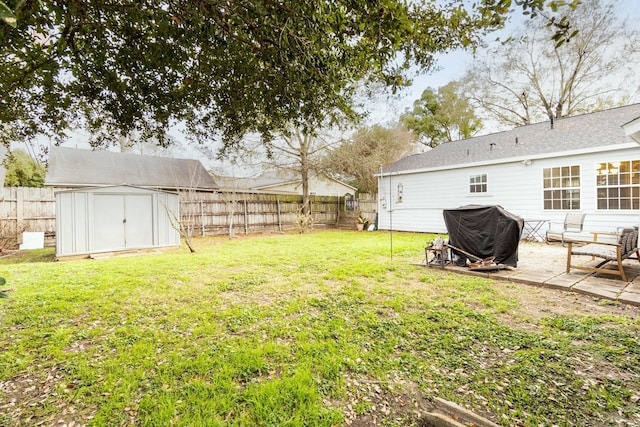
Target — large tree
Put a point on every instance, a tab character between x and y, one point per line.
530	79
23	171
357	159
297	152
220	66
442	116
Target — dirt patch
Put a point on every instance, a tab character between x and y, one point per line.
371	403
33	391
534	303
36	255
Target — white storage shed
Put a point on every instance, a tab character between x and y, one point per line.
119	201
116	218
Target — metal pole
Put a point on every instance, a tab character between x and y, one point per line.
390	217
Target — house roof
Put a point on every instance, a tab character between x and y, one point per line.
70	167
271	179
577	133
268	180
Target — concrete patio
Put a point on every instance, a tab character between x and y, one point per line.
544	265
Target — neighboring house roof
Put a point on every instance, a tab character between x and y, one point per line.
271	180
584	133
70	167
267	180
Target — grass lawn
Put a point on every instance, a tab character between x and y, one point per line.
320	329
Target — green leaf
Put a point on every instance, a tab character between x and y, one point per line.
7	15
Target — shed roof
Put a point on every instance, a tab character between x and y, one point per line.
587	131
71	167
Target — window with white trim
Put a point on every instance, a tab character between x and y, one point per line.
561	187
618	185
478	183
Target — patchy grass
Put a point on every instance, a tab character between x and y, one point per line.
320	329
36	255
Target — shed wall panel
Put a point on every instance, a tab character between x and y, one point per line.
113	219
166	206
81	222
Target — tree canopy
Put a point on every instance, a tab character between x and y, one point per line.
221	66
359	158
442	116
530	78
23	171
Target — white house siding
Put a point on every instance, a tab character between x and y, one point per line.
319	187
513	185
322	187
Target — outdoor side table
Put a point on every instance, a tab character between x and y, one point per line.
532	230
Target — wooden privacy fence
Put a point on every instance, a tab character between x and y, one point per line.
217	213
26	209
207	213
368	205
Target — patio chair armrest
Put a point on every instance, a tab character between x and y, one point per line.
595	234
559	224
587	242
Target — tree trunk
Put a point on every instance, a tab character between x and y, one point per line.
304	173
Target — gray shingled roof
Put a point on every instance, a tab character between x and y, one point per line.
70	167
263	180
266	180
575	133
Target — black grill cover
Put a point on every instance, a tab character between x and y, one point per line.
485	231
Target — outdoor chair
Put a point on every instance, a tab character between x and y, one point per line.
625	247
573	223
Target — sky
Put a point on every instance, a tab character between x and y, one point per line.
451	66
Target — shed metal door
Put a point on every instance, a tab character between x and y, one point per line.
122	221
138	228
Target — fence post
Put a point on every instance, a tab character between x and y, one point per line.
279	214
202	217
246	219
19	214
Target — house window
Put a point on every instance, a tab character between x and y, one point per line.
478	183
618	185
561	187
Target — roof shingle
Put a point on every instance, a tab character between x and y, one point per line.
70	167
581	132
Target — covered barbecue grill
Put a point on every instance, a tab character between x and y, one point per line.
484	231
